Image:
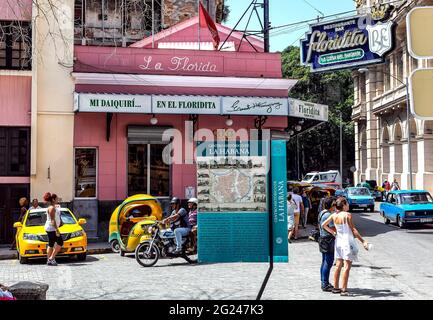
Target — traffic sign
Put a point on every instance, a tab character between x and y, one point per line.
421	93
419	22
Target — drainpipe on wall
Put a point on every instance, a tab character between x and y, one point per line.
34	100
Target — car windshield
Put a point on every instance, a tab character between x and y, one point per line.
329	177
359	192
410	198
38	218
308	177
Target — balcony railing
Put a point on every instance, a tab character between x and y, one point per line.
389	99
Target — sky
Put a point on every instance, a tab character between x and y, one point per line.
284	12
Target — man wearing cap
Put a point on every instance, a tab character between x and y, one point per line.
179	223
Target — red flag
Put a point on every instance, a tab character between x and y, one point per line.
207	22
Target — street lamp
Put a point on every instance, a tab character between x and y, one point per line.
409	138
341	146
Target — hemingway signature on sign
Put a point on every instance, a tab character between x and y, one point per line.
270	107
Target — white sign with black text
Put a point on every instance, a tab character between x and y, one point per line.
114	103
308	110
186	104
244	106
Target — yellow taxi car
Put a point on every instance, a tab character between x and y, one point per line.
32	240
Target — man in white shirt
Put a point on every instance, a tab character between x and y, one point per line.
35	204
298	211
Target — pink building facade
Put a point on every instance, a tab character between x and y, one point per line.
15	107
119	152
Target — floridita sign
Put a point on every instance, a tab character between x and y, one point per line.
307	110
186	104
212	105
181	64
347	43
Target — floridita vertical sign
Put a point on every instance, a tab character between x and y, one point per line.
308	110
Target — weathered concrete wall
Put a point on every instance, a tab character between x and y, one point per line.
175	11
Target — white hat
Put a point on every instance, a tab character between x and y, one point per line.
193	200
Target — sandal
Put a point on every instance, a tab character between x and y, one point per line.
344	293
336	290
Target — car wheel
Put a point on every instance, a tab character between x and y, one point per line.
385	219
82	256
23	260
115	246
400	223
365	209
372	209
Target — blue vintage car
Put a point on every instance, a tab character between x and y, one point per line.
406	207
359	198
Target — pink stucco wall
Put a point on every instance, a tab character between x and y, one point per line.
16	10
133	60
188	31
15	100
90	131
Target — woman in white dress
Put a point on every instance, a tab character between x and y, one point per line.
346	249
291	207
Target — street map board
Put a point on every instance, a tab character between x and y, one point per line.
232	189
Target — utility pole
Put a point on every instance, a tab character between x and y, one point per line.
409	138
266	24
341	147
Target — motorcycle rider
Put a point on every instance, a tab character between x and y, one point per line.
192	206
179	223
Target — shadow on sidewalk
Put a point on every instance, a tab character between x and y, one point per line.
372	293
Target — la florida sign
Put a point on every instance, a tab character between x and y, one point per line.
347	43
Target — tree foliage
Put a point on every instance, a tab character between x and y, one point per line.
319	148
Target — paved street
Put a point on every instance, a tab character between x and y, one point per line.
398	267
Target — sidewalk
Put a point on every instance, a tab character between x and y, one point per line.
304	233
104	247
92	248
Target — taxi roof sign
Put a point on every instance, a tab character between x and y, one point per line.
421	93
420	41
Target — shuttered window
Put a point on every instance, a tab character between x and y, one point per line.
14	151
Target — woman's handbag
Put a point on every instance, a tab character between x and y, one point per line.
326	244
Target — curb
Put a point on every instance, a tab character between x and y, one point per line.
14	256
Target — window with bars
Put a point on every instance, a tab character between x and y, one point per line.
14	151
106	22
15	45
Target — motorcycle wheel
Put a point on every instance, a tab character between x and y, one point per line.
147	259
191	258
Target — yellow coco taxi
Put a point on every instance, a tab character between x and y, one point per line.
130	221
32	240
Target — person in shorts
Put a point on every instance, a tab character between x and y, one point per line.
298	211
52	225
